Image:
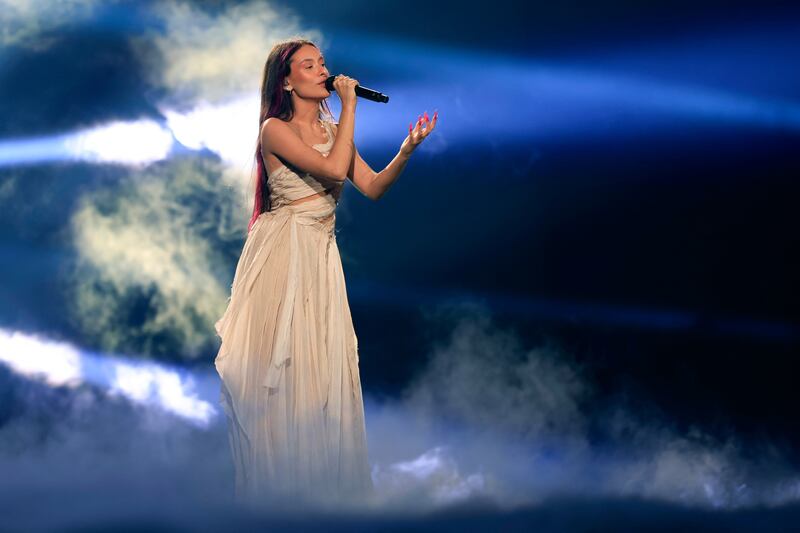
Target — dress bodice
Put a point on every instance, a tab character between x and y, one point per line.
289	184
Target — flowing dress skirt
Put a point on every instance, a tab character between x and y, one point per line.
288	363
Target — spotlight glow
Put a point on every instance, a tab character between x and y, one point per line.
142	141
60	364
133	143
229	130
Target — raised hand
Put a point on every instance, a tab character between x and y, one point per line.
418	132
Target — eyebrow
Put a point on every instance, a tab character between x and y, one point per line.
310	59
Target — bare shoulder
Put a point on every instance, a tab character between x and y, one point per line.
272	130
275	134
274	126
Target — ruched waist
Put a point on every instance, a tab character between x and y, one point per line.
318	213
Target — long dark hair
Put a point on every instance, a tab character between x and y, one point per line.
275	102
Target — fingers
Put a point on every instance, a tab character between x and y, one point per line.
431	123
346	80
424	124
418	125
413	128
423	127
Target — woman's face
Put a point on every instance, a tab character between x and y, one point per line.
308	73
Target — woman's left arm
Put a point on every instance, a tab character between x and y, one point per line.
373	184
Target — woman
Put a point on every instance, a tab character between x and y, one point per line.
289	355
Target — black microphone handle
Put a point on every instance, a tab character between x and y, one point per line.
363	92
371	94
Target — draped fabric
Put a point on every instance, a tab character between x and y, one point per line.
288	361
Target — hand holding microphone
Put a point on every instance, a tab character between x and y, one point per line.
345	86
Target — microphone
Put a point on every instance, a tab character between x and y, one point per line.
363	92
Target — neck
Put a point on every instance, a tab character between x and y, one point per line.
306	113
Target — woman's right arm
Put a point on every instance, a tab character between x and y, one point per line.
278	138
341	155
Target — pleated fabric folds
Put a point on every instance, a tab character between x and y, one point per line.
288	363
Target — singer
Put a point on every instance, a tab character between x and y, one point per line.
288	361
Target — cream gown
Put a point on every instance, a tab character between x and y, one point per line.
288	361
